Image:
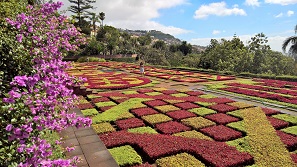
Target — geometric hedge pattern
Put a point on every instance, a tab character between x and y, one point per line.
158	132
150	126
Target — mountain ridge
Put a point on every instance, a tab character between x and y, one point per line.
167	38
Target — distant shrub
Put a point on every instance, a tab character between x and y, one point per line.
287	78
124	59
90	59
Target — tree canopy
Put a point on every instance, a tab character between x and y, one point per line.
80	8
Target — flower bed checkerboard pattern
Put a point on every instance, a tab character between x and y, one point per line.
100	79
160	127
175	75
273	90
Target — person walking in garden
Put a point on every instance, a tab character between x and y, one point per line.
141	68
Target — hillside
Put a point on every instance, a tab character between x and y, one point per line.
169	39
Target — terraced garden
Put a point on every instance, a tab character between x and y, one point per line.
144	124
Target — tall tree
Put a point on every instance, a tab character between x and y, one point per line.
185	48
94	18
144	40
293	48
80	8
160	44
101	17
259	47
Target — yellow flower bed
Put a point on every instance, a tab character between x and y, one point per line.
267	148
153	93
173	101
193	134
179	160
130	92
103	128
159	89
156	118
198	122
240	104
208	96
119	111
179	95
204	104
166	108
202	111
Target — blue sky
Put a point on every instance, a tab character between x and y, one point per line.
198	21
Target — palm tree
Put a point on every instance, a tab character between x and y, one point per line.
101	17
293	48
94	18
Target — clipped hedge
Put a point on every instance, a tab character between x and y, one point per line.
205	104
166	108
179	95
142	130
268	142
286	117
241	144
186	105
103	128
171	127
240	104
153	93
179	160
291	130
207	96
156	118
89	112
239	125
105	103
125	155
197	122
193	134
120	111
202	111
90	59
221	118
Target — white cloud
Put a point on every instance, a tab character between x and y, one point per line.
218	9
216	32
290	13
252	3
279	15
281	2
235	6
148	25
135	14
275	42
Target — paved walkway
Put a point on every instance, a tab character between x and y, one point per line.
88	147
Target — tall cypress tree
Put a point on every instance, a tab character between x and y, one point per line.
80	8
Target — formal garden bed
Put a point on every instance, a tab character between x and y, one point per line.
157	126
115	79
273	91
98	78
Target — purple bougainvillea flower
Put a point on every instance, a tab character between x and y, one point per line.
19	38
9	127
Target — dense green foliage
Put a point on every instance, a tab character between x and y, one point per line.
257	57
14	58
227	56
90	59
80	9
125	155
